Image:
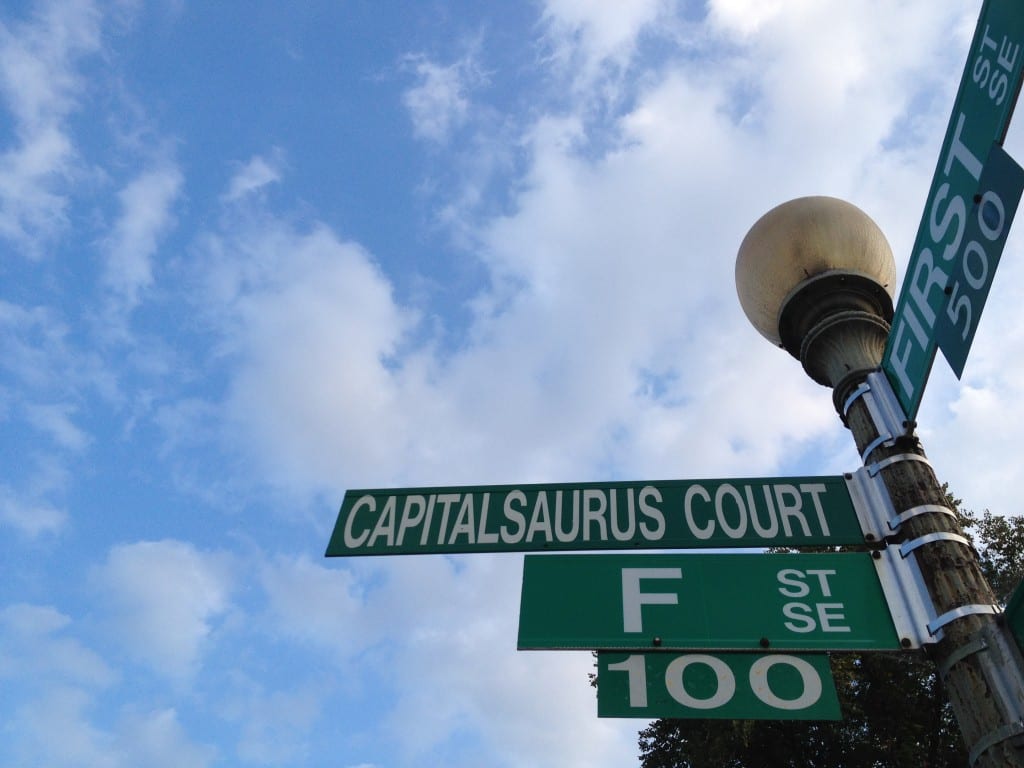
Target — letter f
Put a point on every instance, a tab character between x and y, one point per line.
633	599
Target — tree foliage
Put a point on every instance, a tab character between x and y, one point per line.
895	714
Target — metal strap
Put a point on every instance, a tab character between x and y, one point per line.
909	546
959	613
961	653
923	509
997	736
878	466
880	440
883	425
860	391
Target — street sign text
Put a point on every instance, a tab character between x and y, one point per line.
729	601
999	192
679	514
981	114
734	686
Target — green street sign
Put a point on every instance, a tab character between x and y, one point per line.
988	226
1014	615
671	514
981	114
732	686
726	601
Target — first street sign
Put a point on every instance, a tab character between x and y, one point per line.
981	114
676	514
733	686
999	192
731	601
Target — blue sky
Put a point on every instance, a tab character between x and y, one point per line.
254	254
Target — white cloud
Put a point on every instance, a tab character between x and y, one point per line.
65	711
30	516
164	597
316	604
36	647
55	421
146	216
594	41
313	324
34	340
57	728
255	175
40	88
156	738
276	726
438	104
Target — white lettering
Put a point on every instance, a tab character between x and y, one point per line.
737	531
815	490
957	210
560	533
791	508
822	575
771	530
465	522
636	666
425	534
658	530
934	278
385	523
759	682
446	499
725	681
708	530
351	541
594	514
516	516
633	599
790	577
540	520
482	537
618	533
801	615
900	356
959	151
829	614
407	520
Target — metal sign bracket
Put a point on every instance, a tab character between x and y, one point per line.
886	413
905	592
872	504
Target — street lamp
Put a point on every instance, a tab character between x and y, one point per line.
815	276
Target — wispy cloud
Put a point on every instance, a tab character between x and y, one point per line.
165	597
146	216
439	103
255	175
56	421
40	86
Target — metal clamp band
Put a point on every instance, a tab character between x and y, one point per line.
860	391
923	509
959	613
989	740
909	546
880	440
961	653
878	466
885	422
